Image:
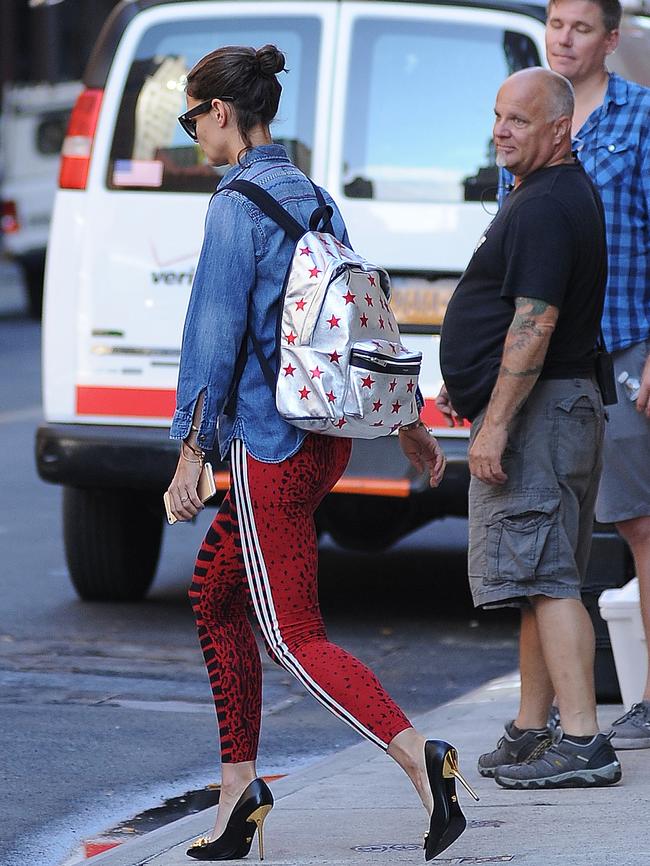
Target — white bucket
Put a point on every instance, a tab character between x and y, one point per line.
621	609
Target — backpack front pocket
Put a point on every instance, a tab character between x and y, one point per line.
382	384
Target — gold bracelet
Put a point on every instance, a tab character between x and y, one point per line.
187	459
195	451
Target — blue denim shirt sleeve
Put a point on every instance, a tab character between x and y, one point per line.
216	318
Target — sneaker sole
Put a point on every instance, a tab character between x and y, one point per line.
630	742
488	772
610	774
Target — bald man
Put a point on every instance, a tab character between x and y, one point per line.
611	132
532	298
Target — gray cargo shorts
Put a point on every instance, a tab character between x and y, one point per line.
625	483
532	535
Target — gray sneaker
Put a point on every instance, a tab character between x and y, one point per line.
565	765
512	749
632	730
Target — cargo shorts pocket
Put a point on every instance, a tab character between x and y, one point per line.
577	433
522	538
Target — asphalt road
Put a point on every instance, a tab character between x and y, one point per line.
105	708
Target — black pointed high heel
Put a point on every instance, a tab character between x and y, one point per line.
447	821
248	815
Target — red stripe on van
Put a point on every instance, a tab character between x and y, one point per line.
127	402
433	417
160	403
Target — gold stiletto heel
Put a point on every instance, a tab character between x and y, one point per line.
447	821
450	770
258	817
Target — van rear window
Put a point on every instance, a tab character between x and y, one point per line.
419	110
150	150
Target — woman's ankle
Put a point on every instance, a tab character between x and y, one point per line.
235	778
407	749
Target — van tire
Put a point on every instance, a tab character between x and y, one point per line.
112	542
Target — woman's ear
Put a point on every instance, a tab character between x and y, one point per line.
220	109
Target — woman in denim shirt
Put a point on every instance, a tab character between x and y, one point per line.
261	551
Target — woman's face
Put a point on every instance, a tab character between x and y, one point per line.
211	130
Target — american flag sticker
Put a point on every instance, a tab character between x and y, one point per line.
137	172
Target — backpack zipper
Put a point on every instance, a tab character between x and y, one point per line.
376	363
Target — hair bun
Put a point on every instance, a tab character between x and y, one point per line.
270	60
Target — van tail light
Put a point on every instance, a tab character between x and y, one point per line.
9	218
78	142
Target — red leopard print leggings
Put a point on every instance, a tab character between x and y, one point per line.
261	553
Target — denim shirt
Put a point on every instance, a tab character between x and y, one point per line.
237	285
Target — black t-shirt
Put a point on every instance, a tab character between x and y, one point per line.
546	242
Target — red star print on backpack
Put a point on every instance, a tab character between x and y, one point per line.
337	369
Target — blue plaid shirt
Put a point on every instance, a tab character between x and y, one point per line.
614	147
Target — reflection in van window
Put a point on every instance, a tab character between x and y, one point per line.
420	106
151	151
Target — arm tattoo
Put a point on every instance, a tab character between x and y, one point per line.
525	327
530	371
537	307
523	357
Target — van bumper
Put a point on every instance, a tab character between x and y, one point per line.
144	458
84	455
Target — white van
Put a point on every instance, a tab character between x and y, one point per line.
389	106
33	122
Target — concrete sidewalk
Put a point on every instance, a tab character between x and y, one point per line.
358	808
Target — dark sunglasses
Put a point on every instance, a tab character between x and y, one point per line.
188	120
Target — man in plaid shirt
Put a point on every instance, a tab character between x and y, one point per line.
611	129
611	134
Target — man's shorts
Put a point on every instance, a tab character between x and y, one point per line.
532	535
625	483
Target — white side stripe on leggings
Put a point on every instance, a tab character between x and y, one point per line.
260	588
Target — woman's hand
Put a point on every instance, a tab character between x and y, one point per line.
423	451
185	502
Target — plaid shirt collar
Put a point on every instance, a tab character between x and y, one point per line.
616	93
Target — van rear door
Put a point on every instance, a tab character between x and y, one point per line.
125	248
412	159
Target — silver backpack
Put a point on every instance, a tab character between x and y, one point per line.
340	366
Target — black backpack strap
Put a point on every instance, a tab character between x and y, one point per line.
323	214
240	363
273	209
320	220
268	205
267	369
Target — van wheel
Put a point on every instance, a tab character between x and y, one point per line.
112	542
